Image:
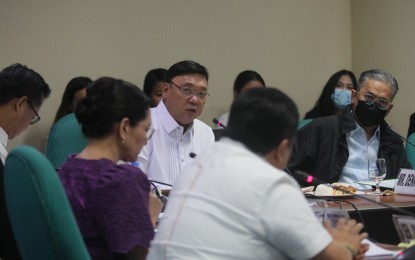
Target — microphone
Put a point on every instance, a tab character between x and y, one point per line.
403	138
305	177
218	123
159	195
159	182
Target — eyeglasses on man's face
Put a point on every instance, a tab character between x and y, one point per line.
381	103
36	117
188	92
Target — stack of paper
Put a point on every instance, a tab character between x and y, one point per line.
376	251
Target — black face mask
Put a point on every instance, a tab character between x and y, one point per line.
369	115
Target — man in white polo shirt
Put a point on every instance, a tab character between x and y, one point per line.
177	131
236	202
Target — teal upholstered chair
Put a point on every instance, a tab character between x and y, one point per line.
304	122
41	217
65	138
410	150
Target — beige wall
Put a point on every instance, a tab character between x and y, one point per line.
383	37
294	44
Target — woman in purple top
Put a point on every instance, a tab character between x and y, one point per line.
110	201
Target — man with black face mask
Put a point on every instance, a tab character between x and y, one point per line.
337	148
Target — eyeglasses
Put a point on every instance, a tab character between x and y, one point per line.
36	117
188	92
150	132
381	103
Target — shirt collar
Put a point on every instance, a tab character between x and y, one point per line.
167	120
3	137
359	129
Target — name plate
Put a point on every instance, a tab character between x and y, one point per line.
405	183
405	227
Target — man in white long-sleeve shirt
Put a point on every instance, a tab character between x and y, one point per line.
177	131
22	92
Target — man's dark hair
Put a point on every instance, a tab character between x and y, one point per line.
261	119
18	80
186	67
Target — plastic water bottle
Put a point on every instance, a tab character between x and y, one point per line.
135	164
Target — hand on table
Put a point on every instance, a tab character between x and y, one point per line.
347	233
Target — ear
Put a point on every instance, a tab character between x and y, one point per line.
280	155
19	103
124	128
285	151
354	97
165	90
389	109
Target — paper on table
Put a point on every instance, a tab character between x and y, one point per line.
375	250
307	189
389	184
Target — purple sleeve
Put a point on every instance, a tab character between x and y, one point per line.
121	208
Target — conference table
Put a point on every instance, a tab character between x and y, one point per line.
377	218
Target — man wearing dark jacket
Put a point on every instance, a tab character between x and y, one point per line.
337	148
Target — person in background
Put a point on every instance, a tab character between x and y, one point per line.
177	131
74	91
153	84
236	202
245	81
336	95
111	202
22	92
337	148
411	128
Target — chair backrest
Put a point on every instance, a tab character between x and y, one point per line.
218	133
65	138
41	217
410	150
304	122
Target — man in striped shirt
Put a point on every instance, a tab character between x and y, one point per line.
177	131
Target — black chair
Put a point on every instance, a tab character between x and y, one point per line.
218	133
